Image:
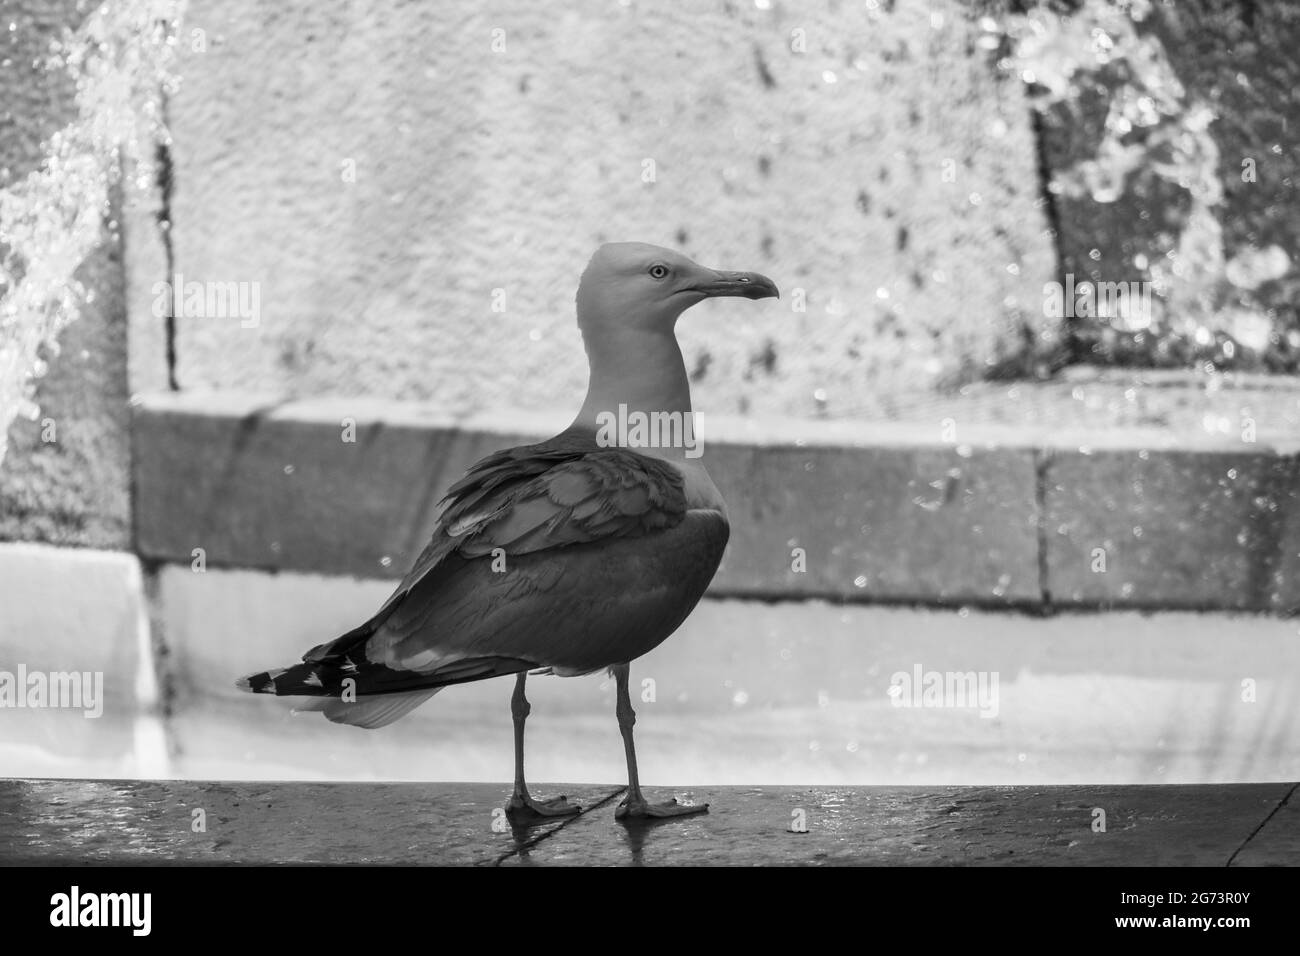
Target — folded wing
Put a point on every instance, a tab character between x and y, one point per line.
501	561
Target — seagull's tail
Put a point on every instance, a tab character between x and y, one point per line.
323	685
309	679
345	692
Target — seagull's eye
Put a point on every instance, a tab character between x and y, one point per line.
658	271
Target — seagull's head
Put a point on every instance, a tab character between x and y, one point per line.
637	284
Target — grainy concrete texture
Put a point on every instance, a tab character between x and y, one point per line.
379	171
134	822
73	489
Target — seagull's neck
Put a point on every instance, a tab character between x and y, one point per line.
643	372
639	369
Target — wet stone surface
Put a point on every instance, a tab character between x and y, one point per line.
65	822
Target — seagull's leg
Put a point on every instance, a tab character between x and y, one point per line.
521	805
634	805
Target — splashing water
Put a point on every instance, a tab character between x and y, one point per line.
1060	56
1155	130
121	58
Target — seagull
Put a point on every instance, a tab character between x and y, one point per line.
577	554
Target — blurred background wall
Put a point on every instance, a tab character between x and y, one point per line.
382	171
912	174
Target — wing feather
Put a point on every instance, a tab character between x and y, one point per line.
528	500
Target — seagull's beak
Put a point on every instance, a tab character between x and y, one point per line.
750	285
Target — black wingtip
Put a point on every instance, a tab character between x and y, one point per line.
257	683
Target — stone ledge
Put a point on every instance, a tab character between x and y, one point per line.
1008	517
122	822
1174	529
